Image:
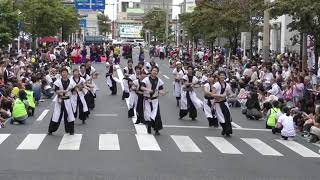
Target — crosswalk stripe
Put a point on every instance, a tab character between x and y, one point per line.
32	142
147	142
261	147
3	137
109	142
223	145
185	144
298	148
70	142
43	115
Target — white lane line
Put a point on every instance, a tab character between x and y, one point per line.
205	127
185	144
298	148
106	115
70	142
166	76
223	145
147	142
235	125
43	115
140	129
32	142
261	147
3	137
109	142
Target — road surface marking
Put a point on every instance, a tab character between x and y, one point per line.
261	147
32	142
106	115
298	148
43	115
223	145
147	142
206	127
109	142
70	142
166	76
185	144
235	125
140	129
3	137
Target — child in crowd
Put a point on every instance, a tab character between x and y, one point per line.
19	111
285	125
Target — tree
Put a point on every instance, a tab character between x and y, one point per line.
8	23
104	24
47	17
155	22
305	18
70	22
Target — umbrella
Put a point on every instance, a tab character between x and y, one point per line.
49	39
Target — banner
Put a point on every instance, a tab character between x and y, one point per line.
130	30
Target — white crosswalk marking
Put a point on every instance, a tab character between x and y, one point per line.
32	142
298	148
261	147
185	144
147	142
3	137
43	115
109	142
70	142
223	145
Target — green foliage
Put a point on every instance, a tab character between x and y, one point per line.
155	22
8	22
305	16
47	17
223	18
104	24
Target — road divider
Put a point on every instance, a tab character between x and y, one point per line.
43	115
165	76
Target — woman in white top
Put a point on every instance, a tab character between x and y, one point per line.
285	125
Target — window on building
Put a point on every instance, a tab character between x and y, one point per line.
124	6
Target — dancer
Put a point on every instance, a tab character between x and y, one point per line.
221	90
110	79
79	104
208	102
153	88
178	73
189	100
62	104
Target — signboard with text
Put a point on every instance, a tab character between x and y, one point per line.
90	4
130	30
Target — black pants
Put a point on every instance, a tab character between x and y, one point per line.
82	115
139	109
156	123
68	126
191	109
113	88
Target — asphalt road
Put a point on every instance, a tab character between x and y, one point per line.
111	147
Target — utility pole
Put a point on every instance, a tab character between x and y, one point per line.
266	34
167	19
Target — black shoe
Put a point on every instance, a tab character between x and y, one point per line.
228	135
49	133
193	119
149	130
71	133
223	133
138	122
157	133
83	122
